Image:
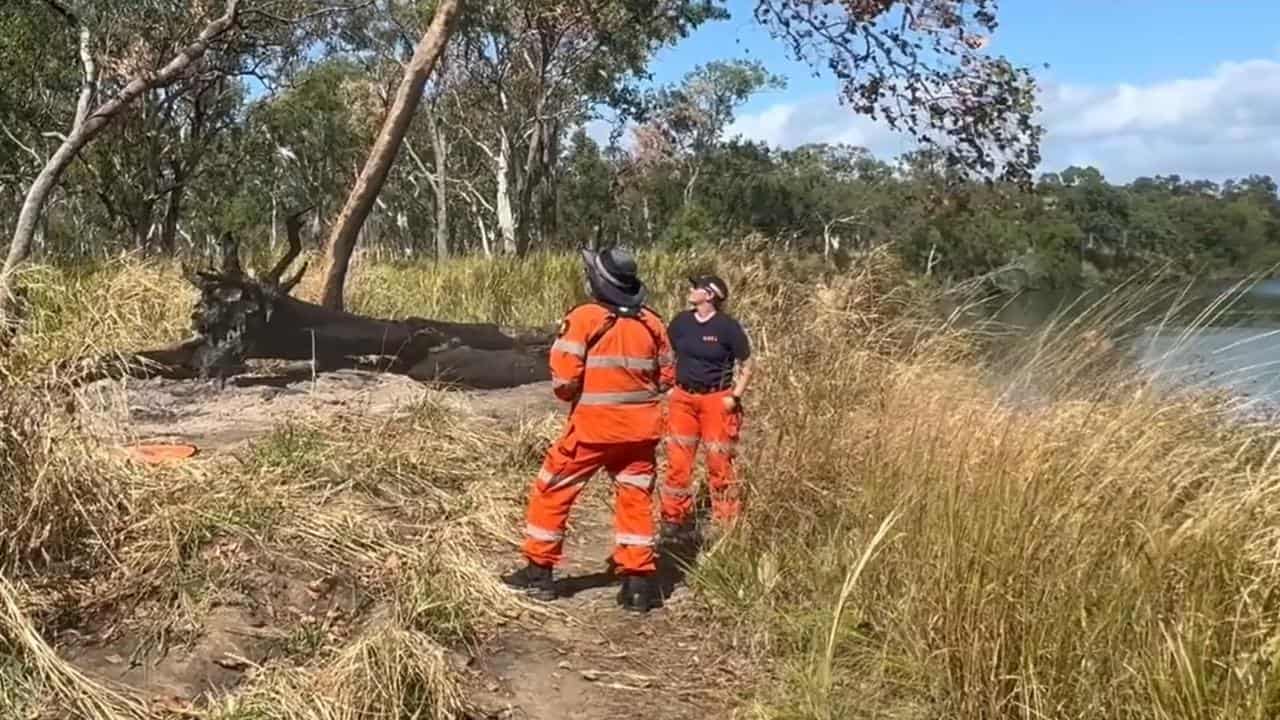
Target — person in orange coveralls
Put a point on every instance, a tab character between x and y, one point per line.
705	408
612	361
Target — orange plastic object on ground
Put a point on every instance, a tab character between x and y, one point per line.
162	452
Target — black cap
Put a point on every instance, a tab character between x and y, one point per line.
717	286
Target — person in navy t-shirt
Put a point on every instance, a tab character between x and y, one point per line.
713	368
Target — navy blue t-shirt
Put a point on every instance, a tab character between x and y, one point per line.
705	351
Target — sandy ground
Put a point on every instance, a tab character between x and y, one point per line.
587	660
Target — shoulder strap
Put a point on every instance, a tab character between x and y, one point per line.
605	326
611	319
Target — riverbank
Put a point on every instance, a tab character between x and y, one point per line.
1186	337
917	543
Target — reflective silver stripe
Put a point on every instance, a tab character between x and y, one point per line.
644	482
683	440
557	382
627	539
666	358
621	361
724	448
569	347
673	491
553	481
538	533
638	397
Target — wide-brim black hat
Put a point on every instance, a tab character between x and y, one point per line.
614	277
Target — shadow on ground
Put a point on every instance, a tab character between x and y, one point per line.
674	560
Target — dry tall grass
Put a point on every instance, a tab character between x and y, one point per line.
395	507
532	291
119	306
1065	542
1093	549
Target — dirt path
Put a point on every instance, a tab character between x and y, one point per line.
582	658
592	660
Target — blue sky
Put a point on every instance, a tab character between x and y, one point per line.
1135	87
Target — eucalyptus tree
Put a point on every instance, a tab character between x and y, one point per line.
128	51
537	69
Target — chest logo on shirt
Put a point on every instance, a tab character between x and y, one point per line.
710	339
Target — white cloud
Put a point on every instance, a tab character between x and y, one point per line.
1224	124
598	130
820	119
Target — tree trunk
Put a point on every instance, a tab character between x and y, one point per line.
29	218
550	185
274	216
440	185
503	203
87	126
647	218
138	228
239	317
342	239
688	188
172	211
528	177
485	246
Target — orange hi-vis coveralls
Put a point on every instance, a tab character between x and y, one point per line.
613	368
700	419
706	351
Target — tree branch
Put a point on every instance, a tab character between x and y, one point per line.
293	225
88	127
26	148
309	16
475	194
64	11
89	81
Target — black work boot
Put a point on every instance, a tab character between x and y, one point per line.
536	580
678	533
639	593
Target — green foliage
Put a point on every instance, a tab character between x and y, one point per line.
691	228
586	189
695	112
930	51
19	685
38	95
498	158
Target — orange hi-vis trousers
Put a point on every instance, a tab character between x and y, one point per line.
565	471
694	419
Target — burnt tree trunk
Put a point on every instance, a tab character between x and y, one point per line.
239	317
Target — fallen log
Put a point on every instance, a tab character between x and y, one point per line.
239	317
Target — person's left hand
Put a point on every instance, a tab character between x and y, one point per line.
731	403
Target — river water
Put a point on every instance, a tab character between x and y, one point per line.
1220	336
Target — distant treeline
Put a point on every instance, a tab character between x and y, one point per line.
1072	227
484	170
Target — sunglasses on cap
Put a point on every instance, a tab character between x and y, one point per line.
711	285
